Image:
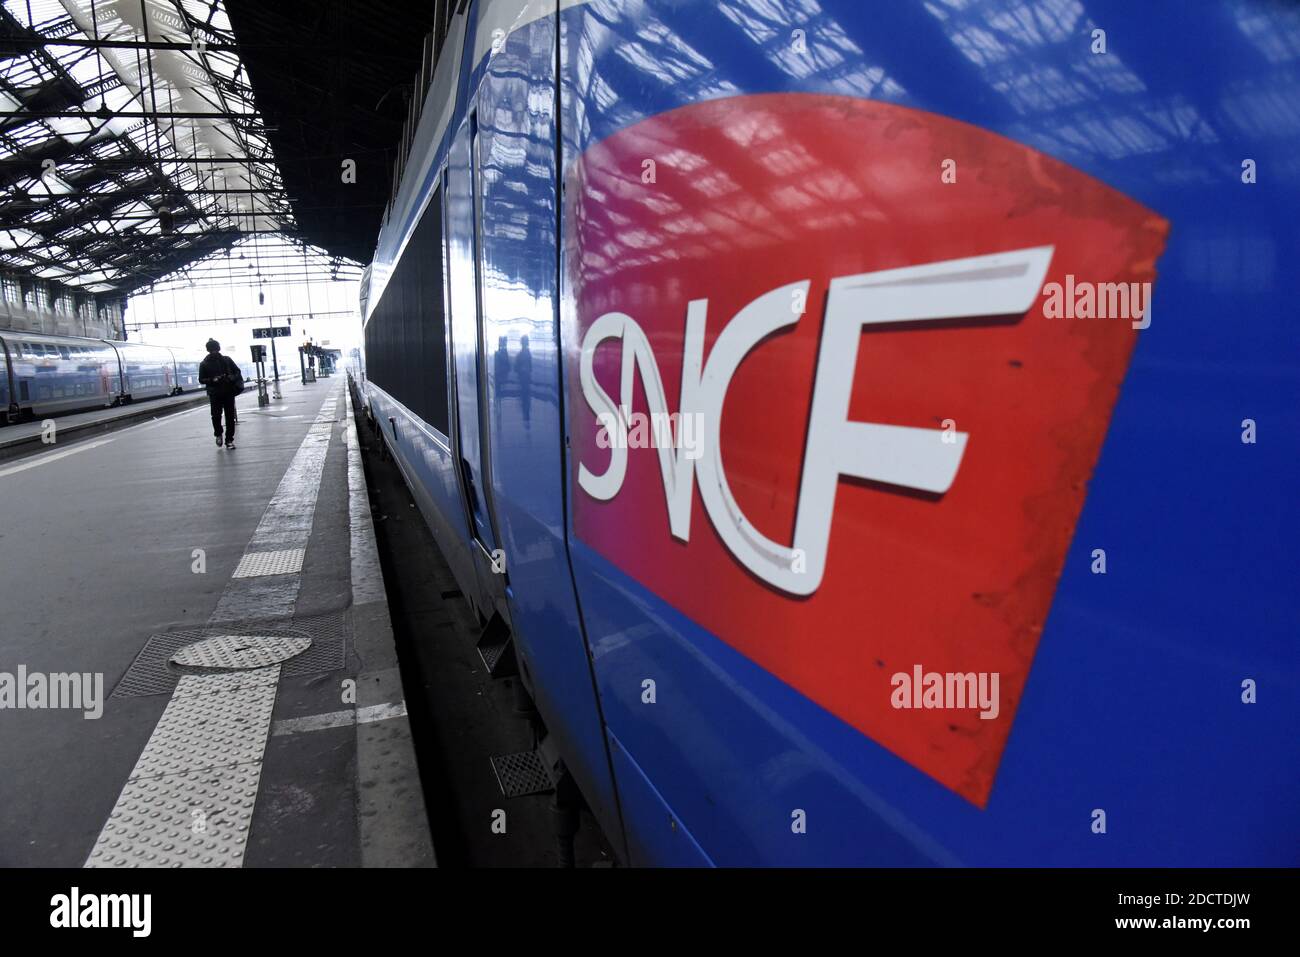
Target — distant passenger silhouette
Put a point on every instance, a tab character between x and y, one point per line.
224	381
524	370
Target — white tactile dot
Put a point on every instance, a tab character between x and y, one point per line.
285	561
240	652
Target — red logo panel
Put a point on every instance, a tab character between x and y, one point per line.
728	200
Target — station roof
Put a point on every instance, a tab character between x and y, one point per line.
130	143
138	136
334	80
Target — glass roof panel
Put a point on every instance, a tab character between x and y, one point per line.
98	176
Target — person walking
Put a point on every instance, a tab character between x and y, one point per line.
224	381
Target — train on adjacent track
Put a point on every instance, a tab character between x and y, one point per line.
872	427
49	374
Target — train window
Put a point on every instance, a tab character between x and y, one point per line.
64	353
406	336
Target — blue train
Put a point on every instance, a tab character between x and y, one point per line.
874	425
47	375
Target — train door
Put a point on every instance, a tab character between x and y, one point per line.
117	369
504	164
109	378
8	399
470	445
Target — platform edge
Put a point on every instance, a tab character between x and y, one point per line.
391	814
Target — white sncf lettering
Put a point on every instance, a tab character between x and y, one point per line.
996	285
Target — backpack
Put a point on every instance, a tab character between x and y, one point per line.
235	384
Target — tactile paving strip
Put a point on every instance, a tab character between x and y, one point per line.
200	732
264	596
216	683
195	819
284	561
240	651
521	773
151	672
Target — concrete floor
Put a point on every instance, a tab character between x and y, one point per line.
24	438
97	545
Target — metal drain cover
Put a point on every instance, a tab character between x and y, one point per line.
240	652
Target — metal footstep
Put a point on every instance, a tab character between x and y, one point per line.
522	773
496	649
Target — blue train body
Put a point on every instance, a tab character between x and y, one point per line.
1099	509
44	375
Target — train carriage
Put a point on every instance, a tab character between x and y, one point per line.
47	375
7	384
186	369
849	412
147	371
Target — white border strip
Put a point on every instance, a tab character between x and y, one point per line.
367	576
340	719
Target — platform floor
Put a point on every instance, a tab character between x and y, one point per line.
119	550
24	438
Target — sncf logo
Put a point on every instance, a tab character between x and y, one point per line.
832	410
923	459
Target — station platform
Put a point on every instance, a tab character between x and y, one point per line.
196	649
24	438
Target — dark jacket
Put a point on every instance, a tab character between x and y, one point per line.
220	374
